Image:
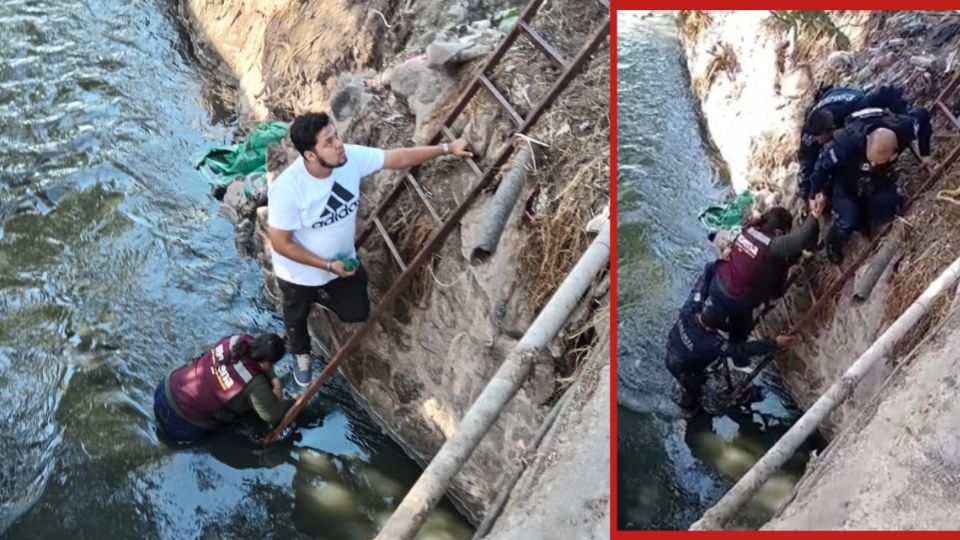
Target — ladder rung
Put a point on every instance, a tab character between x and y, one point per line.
514	115
542	44
473	164
946	110
390	244
412	182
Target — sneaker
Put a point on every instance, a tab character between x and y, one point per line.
301	372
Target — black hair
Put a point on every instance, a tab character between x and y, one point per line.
712	317
267	348
775	218
820	122
304	129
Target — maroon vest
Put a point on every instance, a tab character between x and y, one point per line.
214	378
738	273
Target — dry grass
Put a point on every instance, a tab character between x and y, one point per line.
812	32
573	176
723	59
933	246
580	343
410	228
692	23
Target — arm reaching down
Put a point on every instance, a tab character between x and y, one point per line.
264	402
282	242
743	353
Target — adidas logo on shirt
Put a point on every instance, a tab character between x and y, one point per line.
340	204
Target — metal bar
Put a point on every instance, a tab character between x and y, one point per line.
543	45
438	236
949	88
412	182
473	164
416	505
390	244
499	98
381	208
568	73
946	110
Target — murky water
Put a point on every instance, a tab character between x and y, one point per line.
669	469
114	267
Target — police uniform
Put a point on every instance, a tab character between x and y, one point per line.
842	102
863	195
691	348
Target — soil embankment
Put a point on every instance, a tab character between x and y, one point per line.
759	71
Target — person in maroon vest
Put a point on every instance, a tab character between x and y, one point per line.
755	267
232	378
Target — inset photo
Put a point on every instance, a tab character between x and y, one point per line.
788	209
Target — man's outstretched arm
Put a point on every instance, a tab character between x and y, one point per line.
402	158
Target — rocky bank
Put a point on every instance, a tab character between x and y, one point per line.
388	71
758	71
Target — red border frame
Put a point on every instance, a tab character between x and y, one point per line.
613	271
704	4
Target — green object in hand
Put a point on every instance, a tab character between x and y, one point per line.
349	263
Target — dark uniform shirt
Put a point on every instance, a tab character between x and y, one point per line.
844	163
695	348
842	102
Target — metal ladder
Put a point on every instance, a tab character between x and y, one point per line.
939	104
447	223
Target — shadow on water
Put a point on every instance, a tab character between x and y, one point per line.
115	266
670	469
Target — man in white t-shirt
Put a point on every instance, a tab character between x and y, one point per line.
312	217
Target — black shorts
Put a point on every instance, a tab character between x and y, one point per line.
346	297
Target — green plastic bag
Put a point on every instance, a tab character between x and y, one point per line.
507	19
728	216
349	263
222	164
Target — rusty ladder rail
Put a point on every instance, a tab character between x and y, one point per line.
448	222
838	284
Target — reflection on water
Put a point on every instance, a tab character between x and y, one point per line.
670	469
115	266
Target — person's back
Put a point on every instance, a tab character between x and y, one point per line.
753	265
784	252
229	377
911	129
204	385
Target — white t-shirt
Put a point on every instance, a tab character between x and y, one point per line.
321	212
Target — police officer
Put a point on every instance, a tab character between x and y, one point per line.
228	380
755	268
832	106
856	172
694	343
